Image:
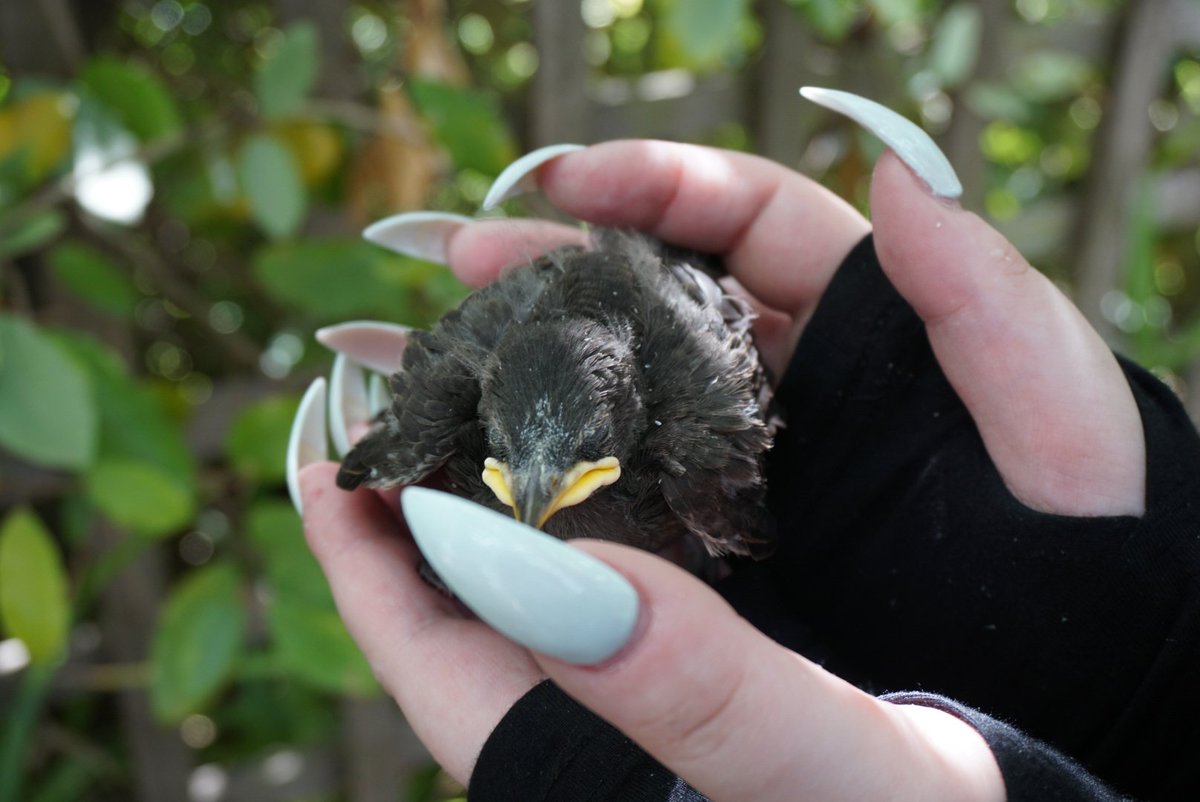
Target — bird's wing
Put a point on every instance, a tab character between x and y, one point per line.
707	394
436	391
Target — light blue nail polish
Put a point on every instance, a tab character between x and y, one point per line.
532	588
347	402
518	177
421	235
910	142
306	442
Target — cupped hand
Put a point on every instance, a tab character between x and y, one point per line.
1048	396
730	711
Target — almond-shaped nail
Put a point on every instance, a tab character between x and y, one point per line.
373	344
379	396
307	442
349	407
530	587
422	235
521	176
909	141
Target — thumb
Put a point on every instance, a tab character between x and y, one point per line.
660	656
740	717
1049	398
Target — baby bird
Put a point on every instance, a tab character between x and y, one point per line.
611	393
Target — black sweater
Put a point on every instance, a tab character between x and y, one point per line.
905	564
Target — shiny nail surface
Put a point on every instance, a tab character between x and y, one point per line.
379	397
373	344
530	587
349	406
306	442
422	235
909	141
520	176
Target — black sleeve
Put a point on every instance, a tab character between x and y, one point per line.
905	563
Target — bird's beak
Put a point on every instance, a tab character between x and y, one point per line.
536	494
534	500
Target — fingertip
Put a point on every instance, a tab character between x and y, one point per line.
478	253
316	480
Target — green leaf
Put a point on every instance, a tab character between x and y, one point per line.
140	497
467	123
31	234
47	411
272	185
895	12
832	19
197	642
334	280
288	72
134	422
34	603
955	45
997	101
257	442
314	646
702	33
135	95
292	572
1050	76
90	275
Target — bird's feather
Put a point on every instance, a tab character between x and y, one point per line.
700	418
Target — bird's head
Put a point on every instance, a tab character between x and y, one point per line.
562	413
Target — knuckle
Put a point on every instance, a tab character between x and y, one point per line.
699	728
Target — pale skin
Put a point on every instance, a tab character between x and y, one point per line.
730	711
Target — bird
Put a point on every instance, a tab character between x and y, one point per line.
612	391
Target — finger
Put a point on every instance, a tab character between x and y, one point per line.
1052	405
740	717
422	648
781	234
476	250
664	659
480	252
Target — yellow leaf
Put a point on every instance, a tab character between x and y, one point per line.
41	124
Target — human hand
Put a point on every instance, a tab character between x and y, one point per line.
730	711
988	327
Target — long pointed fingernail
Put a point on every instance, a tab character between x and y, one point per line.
348	404
379	397
422	235
306	443
528	586
373	344
521	176
910	142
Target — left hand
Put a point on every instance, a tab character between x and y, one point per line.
732	712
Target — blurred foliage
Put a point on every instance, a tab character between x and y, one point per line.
178	213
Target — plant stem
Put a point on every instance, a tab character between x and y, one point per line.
18	729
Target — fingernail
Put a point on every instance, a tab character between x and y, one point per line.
379	397
422	235
306	442
375	345
348	402
909	141
530	587
521	176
